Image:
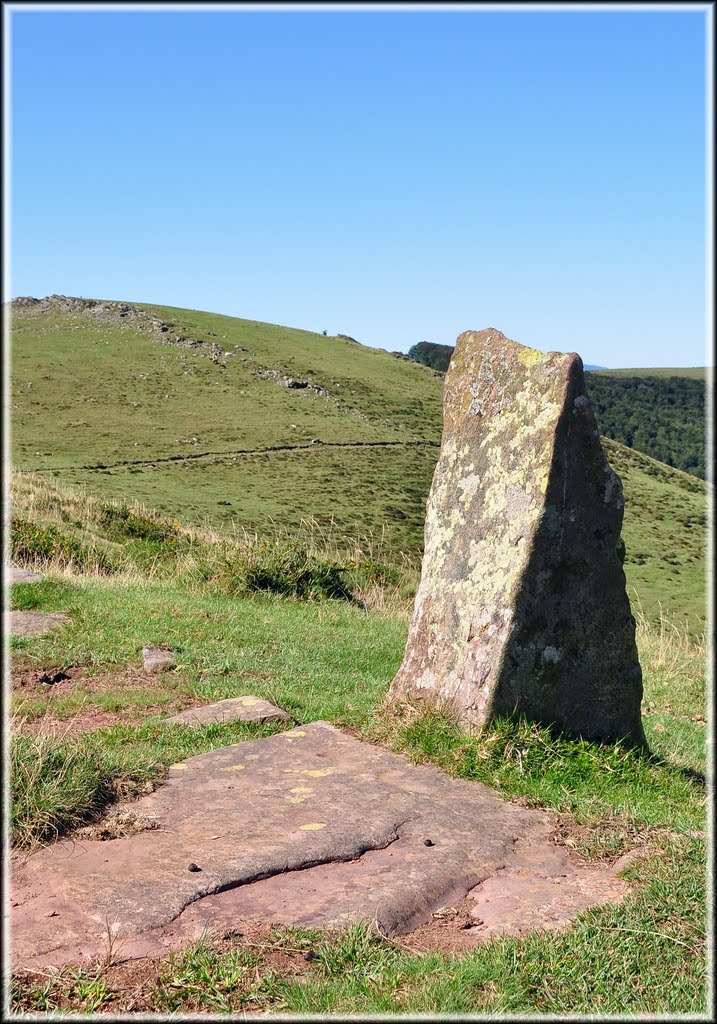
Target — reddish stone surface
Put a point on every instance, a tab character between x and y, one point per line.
233	709
309	827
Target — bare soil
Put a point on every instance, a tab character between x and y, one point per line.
57	682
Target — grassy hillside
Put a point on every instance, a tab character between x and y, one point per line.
150	407
111	404
302	617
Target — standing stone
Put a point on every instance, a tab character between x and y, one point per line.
522	608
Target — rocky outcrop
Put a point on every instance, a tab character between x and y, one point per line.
123	314
522	608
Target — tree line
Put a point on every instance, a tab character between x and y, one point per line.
663	417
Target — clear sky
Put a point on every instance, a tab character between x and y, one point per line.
394	175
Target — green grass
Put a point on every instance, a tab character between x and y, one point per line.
98	391
334	660
139	577
664	530
225	645
115	395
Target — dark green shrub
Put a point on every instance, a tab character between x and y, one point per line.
30	542
290	569
123	523
369	571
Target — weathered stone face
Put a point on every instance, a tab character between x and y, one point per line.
522	607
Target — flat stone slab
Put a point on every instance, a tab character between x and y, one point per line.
233	709
20	623
308	826
19	575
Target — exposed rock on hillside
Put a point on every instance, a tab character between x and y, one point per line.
123	314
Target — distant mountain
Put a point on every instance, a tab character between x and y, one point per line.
589	366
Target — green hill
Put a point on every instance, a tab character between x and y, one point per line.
239	424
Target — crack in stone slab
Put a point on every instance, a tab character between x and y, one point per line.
373	838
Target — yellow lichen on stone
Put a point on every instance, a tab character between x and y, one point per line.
234	768
530	356
313	826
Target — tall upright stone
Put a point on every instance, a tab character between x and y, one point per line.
522	607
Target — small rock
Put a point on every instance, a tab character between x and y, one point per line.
157	659
428	842
309	955
52	913
193	867
22	623
244	709
18	575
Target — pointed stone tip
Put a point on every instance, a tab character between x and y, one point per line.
525	352
483	333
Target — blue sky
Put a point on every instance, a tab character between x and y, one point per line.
394	175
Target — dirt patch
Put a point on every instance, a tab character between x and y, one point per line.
135	985
452	930
57	682
41	679
119	822
614	840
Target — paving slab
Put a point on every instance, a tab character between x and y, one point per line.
19	575
20	623
309	826
233	709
